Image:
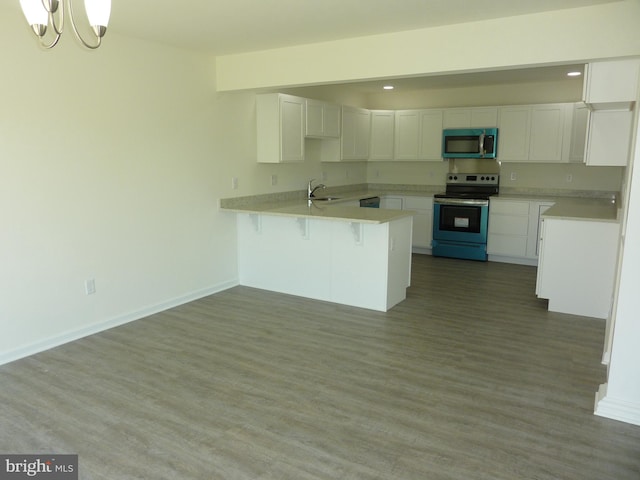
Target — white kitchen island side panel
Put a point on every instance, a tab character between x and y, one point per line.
358	264
577	266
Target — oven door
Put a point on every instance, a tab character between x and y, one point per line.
460	220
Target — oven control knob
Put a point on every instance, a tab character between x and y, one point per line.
482	178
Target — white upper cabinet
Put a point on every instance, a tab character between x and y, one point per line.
609	138
578	132
477	117
514	125
548	128
280	128
354	144
535	133
322	119
610	91
418	135
430	135
382	135
611	84
407	135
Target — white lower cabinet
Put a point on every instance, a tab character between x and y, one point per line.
422	219
391	202
513	230
577	265
422	222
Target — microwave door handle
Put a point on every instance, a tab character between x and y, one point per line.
481	152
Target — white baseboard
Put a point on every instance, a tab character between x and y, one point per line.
532	262
70	336
616	409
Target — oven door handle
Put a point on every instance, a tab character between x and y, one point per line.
461	201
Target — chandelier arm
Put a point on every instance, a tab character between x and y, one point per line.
77	33
53	43
52	20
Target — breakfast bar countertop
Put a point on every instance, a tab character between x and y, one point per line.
325	210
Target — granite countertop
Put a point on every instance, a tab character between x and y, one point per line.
333	211
597	206
595	209
327	210
574	208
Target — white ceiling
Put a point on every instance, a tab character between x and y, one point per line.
234	26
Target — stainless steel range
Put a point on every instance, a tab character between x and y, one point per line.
461	216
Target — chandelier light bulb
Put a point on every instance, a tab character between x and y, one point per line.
49	15
34	12
98	12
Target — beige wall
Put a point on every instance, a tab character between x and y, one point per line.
111	166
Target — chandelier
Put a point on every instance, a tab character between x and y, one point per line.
43	15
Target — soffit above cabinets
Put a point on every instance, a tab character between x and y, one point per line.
223	28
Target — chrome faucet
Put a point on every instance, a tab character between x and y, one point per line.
311	189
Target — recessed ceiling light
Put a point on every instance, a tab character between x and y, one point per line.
388	87
574	74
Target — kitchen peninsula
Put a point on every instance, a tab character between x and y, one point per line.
325	250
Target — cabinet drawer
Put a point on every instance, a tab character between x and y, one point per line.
509	225
509	207
418	203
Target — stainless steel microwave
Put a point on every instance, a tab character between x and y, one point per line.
469	143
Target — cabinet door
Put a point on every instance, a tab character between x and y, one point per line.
292	131
407	135
422	220
363	134
579	133
382	135
315	120
612	82
392	203
322	119
508	228
609	137
279	128
430	135
547	130
476	117
331	118
354	141
514	133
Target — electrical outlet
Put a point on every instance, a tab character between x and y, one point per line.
569	178
325	176
274	179
513	176
90	286
234	183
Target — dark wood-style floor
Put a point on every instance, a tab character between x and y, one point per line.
469	378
